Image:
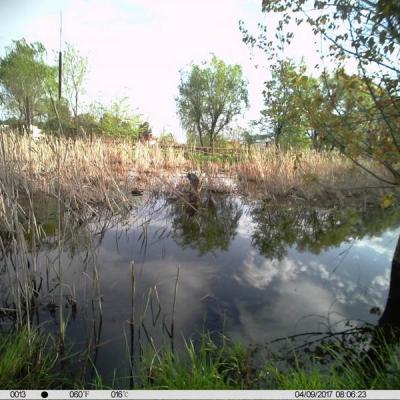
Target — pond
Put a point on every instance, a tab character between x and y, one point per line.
172	268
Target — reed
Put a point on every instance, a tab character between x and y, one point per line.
30	174
275	172
99	172
86	174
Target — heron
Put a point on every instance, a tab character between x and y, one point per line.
194	181
196	185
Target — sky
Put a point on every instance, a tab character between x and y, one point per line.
136	48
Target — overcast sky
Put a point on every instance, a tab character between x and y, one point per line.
136	48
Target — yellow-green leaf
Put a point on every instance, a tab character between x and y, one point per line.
386	201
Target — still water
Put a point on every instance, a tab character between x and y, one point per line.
172	268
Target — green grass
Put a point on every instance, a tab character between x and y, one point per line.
377	368
26	363
231	366
29	361
202	366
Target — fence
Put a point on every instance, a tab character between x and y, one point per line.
209	150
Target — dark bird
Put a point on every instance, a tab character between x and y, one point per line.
194	181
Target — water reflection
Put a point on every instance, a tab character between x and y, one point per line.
315	230
173	268
207	225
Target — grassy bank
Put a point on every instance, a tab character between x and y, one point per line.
96	172
233	366
29	361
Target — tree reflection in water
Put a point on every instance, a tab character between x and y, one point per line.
277	229
310	229
205	224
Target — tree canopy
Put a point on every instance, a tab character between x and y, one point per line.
210	96
120	120
25	80
284	97
357	113
74	73
28	87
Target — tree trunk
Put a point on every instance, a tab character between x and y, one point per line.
278	132
315	140
200	134
76	113
387	331
201	140
391	314
28	116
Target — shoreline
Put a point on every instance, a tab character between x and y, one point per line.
99	174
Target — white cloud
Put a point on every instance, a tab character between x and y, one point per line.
382	245
294	310
260	272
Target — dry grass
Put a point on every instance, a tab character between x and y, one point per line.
308	172
105	173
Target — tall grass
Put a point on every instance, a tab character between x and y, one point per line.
89	173
232	366
98	172
383	374
203	365
30	360
30	174
276	172
27	361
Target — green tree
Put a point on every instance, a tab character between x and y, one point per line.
328	111
119	120
349	118
313	111
145	130
51	120
367	32
167	139
210	96
90	120
192	138
73	76
283	114
89	123
25	80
